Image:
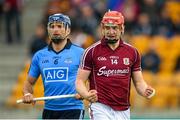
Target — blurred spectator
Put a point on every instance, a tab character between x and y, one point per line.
165	24
56	6
81	39
99	7
39	40
177	65
176	27
151	8
13	11
151	60
130	10
114	4
88	21
173	7
1	12
143	25
90	12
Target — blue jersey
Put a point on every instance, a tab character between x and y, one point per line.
58	71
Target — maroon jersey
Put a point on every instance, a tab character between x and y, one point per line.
111	72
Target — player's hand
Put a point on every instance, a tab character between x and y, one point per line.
28	99
149	92
92	96
79	97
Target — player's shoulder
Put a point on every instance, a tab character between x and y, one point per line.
45	49
41	51
76	47
129	46
96	44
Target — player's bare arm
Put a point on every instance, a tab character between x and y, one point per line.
28	90
141	86
81	88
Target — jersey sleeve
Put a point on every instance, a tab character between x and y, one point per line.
137	62
86	61
34	70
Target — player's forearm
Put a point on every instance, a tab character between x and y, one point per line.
139	82
141	88
81	88
28	87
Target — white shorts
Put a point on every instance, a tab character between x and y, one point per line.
99	111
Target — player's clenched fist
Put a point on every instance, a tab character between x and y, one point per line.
92	96
149	92
28	98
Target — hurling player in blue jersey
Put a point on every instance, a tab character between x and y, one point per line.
57	64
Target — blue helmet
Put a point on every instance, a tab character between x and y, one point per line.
60	18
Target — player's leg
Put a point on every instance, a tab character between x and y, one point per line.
73	114
47	114
99	111
64	114
122	115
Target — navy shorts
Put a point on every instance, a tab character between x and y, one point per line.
64	114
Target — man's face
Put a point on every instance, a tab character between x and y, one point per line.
112	31
58	31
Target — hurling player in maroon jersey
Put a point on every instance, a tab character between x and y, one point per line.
109	65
